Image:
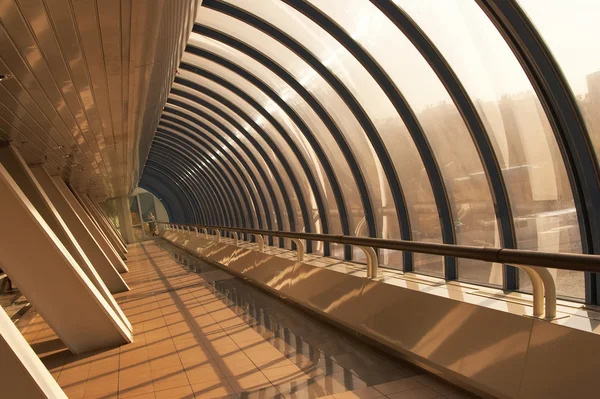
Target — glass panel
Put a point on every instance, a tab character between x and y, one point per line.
134	210
340	113
147	205
470	199
270	130
291	127
210	183
252	149
201	159
341	168
110	208
574	46
137	233
379	109
243	164
539	190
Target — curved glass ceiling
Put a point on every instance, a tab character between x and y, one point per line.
406	119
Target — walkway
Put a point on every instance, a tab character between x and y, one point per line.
200	333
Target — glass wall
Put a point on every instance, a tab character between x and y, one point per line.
532	166
145	210
332	97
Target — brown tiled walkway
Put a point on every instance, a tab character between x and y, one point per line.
190	344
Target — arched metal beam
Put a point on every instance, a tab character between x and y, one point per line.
184	185
223	142
305	214
198	137
200	179
402	107
318	109
198	153
216	140
564	116
149	182
317	192
252	140
197	143
200	200
216	178
174	189
187	191
284	163
473	121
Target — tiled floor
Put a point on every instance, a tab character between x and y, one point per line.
200	333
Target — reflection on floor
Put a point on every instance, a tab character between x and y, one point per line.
14	303
200	333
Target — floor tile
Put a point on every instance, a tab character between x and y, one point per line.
212	389
398	386
418	393
198	332
184	392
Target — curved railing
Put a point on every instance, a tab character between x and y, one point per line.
534	263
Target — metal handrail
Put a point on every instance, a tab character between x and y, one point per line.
563	261
534	263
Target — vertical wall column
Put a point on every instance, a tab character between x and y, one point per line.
122	204
108	249
35	193
97	220
111	277
102	224
22	373
111	224
50	278
109	227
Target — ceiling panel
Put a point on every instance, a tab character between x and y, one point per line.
89	81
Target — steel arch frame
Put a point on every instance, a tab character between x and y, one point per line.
567	123
201	198
200	188
288	110
233	137
232	107
210	183
215	172
317	107
272	145
192	195
171	120
316	191
185	128
184	139
472	120
175	190
403	109
147	184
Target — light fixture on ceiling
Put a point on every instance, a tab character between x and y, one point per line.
5	76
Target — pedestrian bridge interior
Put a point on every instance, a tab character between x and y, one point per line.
299	199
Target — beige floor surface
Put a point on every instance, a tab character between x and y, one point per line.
189	344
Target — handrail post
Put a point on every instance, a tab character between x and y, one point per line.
205	230
261	242
196	228
372	261
218	235
549	291
299	248
537	286
235	238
